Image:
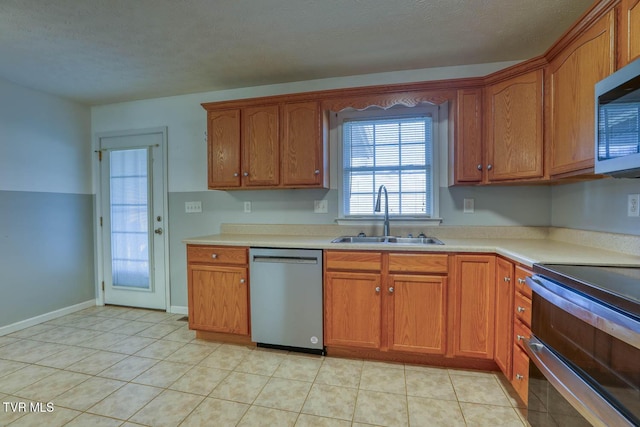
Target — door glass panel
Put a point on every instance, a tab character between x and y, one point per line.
129	184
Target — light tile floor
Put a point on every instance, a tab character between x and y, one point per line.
114	366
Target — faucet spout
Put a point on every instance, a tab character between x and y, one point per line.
385	228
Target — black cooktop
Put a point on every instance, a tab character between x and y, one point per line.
614	285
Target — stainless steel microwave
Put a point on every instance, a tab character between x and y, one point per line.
617	145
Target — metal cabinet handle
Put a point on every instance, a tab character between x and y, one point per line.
242	280
235	174
521	309
246	174
479	167
317	172
522	281
214	256
489	167
519	377
520	337
377	289
507	279
158	231
391	289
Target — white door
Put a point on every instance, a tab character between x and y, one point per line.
133	218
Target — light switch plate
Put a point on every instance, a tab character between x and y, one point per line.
320	206
193	207
469	206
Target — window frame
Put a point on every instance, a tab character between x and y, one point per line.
435	111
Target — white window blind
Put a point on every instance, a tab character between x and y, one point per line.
396	152
618	128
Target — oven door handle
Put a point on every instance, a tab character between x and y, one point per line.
580	395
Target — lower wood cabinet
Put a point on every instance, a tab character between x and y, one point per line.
503	343
218	287
472	301
353	309
417	313
369	307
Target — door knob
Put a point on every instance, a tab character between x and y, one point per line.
158	230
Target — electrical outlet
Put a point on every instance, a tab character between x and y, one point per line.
320	206
632	205
468	206
193	207
247	207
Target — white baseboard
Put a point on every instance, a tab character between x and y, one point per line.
4	330
178	309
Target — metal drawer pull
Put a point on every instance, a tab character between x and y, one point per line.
479	167
391	290
507	279
377	289
317	172
520	337
522	281
521	309
242	280
214	256
235	174
519	377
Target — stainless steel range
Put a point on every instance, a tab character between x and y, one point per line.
585	347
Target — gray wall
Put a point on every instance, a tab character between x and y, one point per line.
595	205
46	253
493	206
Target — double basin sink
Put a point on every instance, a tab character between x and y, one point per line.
388	240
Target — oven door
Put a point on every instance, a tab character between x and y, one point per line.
584	369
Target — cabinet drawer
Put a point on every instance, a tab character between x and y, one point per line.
522	308
217	254
353	261
417	263
521	275
520	330
520	380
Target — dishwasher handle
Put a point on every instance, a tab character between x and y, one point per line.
285	259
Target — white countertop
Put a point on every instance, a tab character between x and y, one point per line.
522	250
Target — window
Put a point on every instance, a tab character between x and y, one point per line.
395	148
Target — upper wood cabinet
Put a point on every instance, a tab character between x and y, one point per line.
467	157
224	148
267	145
513	123
572	76
303	157
629	34
472	304
260	146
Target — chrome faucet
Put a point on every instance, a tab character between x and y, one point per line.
385	229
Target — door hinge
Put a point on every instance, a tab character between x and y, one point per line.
103	286
100	221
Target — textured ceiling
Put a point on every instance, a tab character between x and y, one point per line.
102	51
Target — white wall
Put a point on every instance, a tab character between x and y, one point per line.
45	142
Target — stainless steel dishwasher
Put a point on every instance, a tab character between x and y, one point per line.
286	298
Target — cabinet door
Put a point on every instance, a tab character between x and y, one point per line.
417	315
260	146
223	143
504	316
218	299
467	154
629	37
514	128
302	152
352	309
573	75
473	300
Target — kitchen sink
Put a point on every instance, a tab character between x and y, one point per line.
389	240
